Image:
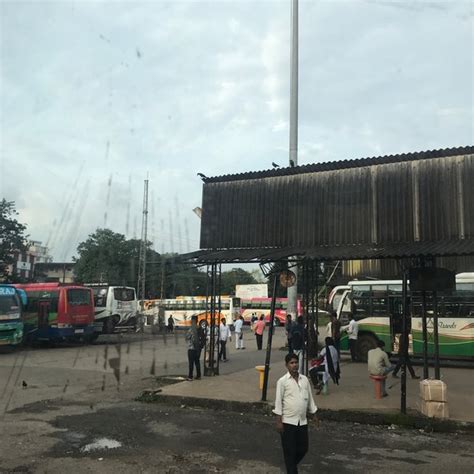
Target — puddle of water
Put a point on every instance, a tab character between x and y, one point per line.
101	443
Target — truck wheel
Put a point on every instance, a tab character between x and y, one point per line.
109	326
365	343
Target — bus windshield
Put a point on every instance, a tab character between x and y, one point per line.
78	297
9	304
124	294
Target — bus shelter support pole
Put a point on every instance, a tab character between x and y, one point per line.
404	341
269	340
306	271
316	290
211	366
426	373
436	337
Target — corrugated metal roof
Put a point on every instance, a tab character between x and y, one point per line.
403	201
343	164
339	252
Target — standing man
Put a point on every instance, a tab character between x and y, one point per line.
379	364
259	327
297	341
239	332
224	334
288	324
353	331
170	323
292	403
194	349
336	331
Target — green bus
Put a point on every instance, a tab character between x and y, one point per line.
12	301
377	307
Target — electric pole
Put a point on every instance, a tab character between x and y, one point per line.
141	280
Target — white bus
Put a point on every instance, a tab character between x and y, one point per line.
116	308
183	308
377	306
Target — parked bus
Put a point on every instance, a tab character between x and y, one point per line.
378	308
116	308
464	282
183	308
12	301
259	306
56	312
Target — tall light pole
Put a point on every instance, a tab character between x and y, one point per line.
293	158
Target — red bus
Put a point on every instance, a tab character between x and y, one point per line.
259	306
56	312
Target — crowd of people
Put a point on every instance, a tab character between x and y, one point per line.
294	403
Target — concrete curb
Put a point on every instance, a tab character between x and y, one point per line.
412	420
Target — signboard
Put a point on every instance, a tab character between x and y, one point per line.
432	279
247	292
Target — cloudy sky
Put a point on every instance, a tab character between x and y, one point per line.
95	95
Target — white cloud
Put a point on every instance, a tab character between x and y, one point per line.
176	88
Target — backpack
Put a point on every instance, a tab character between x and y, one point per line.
297	340
201	338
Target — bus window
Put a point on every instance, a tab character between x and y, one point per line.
100	297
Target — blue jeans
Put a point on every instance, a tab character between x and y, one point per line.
386	371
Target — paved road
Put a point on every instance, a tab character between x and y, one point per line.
148	438
74	406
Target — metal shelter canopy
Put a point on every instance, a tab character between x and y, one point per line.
335	252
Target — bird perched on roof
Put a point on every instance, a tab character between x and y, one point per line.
202	176
292	163
275	165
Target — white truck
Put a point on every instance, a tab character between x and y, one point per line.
116	308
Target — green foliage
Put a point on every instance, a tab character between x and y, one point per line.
12	235
107	256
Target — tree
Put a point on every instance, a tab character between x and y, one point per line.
12	235
107	256
236	276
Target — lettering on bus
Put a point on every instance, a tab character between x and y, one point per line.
5	291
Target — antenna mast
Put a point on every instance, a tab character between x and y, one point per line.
143	247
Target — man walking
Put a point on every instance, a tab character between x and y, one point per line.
224	334
194	349
401	345
293	402
239	333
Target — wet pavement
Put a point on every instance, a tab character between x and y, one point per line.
137	437
78	413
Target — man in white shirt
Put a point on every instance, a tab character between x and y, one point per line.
292	403
353	331
379	364
239	334
224	334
